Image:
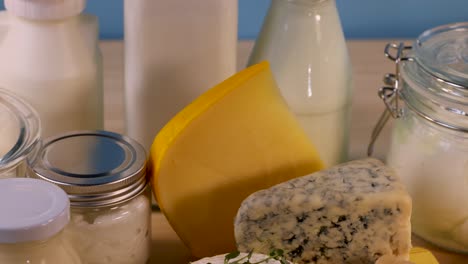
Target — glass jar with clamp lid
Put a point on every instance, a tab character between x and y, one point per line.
428	97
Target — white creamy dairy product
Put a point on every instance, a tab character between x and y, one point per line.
53	251
117	235
352	213
434	166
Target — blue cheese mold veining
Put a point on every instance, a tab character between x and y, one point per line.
353	213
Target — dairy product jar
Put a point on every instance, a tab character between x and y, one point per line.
19	134
104	175
429	146
31	227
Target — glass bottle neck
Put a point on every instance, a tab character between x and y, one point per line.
306	3
308	9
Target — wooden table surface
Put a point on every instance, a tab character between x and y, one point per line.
369	66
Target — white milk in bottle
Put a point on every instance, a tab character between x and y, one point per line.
304	43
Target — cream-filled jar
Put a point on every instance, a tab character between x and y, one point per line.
104	175
34	213
20	131
429	146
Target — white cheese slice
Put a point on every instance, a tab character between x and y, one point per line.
219	259
353	213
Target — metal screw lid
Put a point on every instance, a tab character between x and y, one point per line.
95	168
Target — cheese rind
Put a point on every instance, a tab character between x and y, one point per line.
352	213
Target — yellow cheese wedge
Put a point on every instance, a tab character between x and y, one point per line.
237	138
422	256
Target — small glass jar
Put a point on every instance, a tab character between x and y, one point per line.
104	175
429	146
19	134
31	227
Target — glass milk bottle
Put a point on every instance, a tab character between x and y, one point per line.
174	51
33	215
304	43
50	57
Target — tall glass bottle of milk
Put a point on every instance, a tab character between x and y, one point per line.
174	51
50	57
304	42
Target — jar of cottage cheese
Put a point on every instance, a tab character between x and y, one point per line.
104	175
429	146
19	134
31	226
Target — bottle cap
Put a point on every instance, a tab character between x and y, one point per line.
45	9
31	209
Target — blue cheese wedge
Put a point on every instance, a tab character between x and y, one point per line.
352	213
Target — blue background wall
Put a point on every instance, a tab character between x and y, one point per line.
360	18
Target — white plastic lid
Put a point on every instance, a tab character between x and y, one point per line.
31	210
45	9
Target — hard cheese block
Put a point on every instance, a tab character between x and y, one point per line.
353	213
417	256
422	256
238	138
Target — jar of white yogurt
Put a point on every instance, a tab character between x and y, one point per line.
20	131
34	214
429	147
104	175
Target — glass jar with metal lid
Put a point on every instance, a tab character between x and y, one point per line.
19	134
104	175
429	145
